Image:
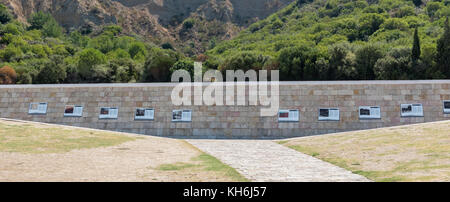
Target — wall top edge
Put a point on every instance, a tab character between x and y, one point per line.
281	83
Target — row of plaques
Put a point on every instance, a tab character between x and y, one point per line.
325	114
110	112
365	112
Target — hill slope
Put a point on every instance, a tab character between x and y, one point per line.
160	20
341	39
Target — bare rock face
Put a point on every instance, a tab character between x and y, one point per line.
159	20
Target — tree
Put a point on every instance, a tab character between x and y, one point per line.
118	54
244	61
7	75
104	43
366	57
370	23
185	64
432	8
38	20
415	54
292	62
395	24
167	46
124	70
395	65
87	60
158	64
5	15
112	29
341	63
53	72
443	51
417	3
188	24
77	39
46	23
11	53
136	48
51	28
201	58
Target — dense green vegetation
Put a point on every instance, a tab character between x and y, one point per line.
345	39
42	52
307	40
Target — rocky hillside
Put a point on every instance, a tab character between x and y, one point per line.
345	40
190	25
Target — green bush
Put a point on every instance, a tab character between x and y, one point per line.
39	19
5	15
185	64
87	60
53	72
158	64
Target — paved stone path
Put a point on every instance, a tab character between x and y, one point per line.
267	161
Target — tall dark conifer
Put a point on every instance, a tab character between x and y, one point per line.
417	2
443	51
415	55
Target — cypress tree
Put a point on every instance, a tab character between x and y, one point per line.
417	3
443	51
415	55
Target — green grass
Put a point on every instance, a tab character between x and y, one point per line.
213	164
206	162
176	166
29	138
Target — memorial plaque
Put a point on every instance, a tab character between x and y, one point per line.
144	114
182	115
447	106
288	116
411	110
329	114
108	113
37	108
73	111
366	112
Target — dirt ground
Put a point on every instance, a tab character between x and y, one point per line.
138	160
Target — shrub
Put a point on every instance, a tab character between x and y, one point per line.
366	57
185	64
188	24
53	72
395	23
5	15
158	64
137	48
7	75
52	28
87	60
370	23
39	19
244	61
167	46
395	65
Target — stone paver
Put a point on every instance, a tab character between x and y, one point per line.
267	161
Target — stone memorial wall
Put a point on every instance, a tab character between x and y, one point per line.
305	108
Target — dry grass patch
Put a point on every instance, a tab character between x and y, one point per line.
39	138
34	152
408	153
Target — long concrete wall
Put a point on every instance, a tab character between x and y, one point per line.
230	121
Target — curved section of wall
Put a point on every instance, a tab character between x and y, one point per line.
230	121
